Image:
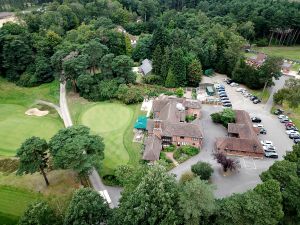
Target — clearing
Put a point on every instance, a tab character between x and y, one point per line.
285	52
16	127
114	122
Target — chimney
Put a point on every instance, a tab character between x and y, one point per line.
157	128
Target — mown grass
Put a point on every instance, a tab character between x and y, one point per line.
14	202
114	122
16	127
280	51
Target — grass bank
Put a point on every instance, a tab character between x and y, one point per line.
280	51
264	96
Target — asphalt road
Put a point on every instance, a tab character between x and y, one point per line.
248	176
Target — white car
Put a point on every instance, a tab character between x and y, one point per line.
269	148
240	89
282	117
291	132
258	125
267	143
234	84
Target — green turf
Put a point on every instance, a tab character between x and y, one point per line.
259	93
15	126
114	122
13	202
285	52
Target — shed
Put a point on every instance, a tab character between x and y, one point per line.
141	123
209	72
210	91
146	67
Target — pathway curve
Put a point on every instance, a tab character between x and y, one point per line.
50	104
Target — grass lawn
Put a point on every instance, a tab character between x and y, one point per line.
16	127
114	122
10	213
285	52
263	96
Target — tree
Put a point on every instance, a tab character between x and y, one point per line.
293	156
157	60
280	96
94	51
179	67
39	213
75	148
142	49
87	207
270	69
291	196
247	30
196	201
165	64
106	66
154	200
280	171
121	66
227	163
194	73
33	157
202	169
148	9
179	92
171	79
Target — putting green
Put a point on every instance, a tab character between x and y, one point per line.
16	127
110	120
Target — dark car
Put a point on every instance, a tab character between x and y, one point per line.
263	131
227	105
256	119
297	140
223	95
253	98
255	101
229	81
278	111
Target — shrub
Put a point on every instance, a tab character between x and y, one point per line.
169	93
170	148
187	176
224	117
111	180
189	118
190	150
216	117
177	153
163	156
179	92
202	169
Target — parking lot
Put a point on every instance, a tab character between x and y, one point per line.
248	175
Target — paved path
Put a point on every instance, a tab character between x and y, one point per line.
56	107
94	177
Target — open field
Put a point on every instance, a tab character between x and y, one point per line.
10	213
114	122
16	127
292	52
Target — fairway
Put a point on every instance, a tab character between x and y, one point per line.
16	127
284	52
114	122
13	202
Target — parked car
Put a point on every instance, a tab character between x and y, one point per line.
278	111
223	95
296	140
256	119
266	149
226	101
258	125
289	124
227	105
273	155
291	132
294	136
281	116
255	101
224	98
240	89
229	81
253	97
266	142
285	120
234	84
291	128
263	131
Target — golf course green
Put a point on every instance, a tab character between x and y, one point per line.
114	122
15	126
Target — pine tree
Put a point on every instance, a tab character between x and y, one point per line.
194	73
165	64
171	79
179	67
157	60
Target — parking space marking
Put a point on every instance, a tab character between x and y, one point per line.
249	163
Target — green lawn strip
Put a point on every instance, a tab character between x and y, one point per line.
13	201
133	148
6	219
296	67
12	94
16	127
284	52
259	93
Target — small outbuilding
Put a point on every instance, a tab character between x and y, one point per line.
146	67
141	123
210	91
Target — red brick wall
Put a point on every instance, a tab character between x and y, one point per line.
176	140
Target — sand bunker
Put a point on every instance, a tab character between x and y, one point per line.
36	112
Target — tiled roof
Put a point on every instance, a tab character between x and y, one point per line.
152	148
146	66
